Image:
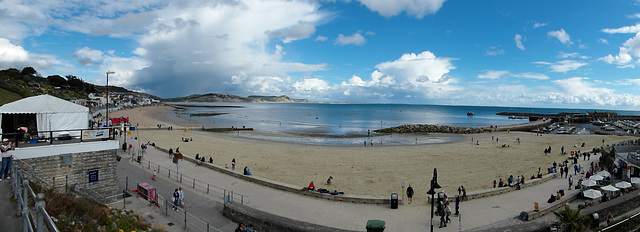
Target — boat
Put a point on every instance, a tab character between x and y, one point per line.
469	113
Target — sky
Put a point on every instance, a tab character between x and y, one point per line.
560	54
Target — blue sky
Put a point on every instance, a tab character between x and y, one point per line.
567	54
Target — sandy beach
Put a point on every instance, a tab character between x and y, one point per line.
377	170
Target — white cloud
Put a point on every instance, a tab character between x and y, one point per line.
623	30
629	49
15	56
321	38
536	76
88	56
494	51
417	68
493	75
518	39
604	41
537	25
10	53
563	66
636	15
417	8
561	35
565	55
299	31
622	59
355	39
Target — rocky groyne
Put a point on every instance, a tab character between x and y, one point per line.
422	128
426	128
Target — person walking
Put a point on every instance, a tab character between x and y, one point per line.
233	164
443	215
464	193
457	205
154	175
410	194
170	153
175	198
570	181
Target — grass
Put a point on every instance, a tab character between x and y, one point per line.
8	96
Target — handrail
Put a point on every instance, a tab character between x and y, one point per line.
22	192
177	176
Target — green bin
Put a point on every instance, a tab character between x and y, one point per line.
375	226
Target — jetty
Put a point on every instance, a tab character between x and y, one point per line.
426	128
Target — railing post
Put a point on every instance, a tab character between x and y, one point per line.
194	183
50	137
158	168
166	208
169	174
180	178
207	188
66	183
207	227
242	199
39	217
53	185
124	200
25	207
17	188
126	183
231	198
185	219
149	165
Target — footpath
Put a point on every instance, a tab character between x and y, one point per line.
8	218
352	216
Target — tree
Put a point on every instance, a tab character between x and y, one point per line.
57	80
29	71
572	220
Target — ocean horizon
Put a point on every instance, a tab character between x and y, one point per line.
350	124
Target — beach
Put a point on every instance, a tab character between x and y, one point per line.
370	170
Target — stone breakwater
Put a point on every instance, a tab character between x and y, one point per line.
421	128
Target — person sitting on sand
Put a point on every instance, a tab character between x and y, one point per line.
501	183
329	180
210	160
311	186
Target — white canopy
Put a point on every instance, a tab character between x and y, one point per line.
609	188
52	113
593	194
589	183
635	180
596	177
623	185
604	173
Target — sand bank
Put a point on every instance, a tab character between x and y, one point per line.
377	170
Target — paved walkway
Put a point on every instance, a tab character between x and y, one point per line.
8	219
350	216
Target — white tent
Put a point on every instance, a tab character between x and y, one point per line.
52	113
596	177
604	174
609	188
593	194
589	183
623	185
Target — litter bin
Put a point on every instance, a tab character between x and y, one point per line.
375	226
394	200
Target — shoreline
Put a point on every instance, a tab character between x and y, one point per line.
377	170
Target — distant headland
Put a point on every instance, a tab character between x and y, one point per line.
221	97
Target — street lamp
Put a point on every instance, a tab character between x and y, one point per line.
432	191
108	72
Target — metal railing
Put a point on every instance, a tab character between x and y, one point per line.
188	221
22	192
192	182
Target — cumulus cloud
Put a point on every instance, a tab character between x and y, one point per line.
493	74
563	66
416	8
355	39
623	30
561	35
518	39
15	56
321	38
603	41
87	56
494	51
295	32
629	49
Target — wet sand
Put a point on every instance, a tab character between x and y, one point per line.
377	170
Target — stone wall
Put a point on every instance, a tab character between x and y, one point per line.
55	171
264	221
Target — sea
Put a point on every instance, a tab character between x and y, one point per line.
349	124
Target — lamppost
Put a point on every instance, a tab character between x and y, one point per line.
108	72
432	191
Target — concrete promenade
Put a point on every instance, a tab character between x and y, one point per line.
351	216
